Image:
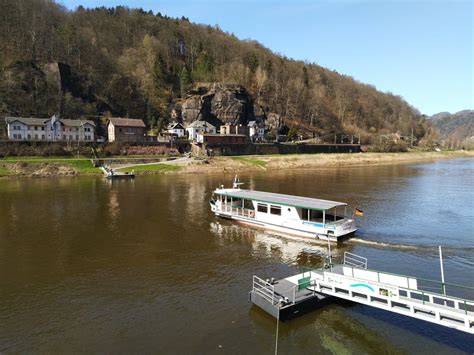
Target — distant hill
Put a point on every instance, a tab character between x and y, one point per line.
134	63
455	129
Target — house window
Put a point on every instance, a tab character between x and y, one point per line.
14	136
36	136
261	207
42	128
120	130
275	210
42	136
29	136
77	137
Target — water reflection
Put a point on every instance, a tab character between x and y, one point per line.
113	209
280	247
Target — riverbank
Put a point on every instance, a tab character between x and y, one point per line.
44	167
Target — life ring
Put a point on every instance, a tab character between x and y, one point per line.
252	214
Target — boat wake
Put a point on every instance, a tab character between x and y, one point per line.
420	247
383	244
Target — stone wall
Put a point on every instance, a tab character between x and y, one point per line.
275	148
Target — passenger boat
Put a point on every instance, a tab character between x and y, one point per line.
295	216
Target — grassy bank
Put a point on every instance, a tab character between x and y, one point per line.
315	161
55	166
252	161
50	166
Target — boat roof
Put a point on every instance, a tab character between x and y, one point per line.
281	199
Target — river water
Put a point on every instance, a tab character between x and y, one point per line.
92	266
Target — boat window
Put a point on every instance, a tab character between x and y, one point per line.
261	207
275	210
316	215
248	205
237	202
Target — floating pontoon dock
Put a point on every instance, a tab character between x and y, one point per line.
287	298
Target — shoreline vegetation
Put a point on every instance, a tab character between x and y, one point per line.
12	167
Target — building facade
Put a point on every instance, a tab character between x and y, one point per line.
176	129
50	129
256	131
199	127
126	130
235	129
221	138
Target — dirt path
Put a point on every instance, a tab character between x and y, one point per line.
174	161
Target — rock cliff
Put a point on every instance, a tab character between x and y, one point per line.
218	104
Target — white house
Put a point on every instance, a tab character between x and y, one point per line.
176	129
256	131
199	127
49	129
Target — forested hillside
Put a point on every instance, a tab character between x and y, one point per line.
456	130
139	64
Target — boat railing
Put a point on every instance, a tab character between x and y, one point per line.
239	211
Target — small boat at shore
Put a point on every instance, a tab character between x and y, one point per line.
294	216
111	174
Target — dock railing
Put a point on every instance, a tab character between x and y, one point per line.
426	291
267	291
264	289
355	260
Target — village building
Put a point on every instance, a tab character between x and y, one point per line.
235	129
199	127
221	138
127	130
49	129
176	129
256	131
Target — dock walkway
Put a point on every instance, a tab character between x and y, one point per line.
351	280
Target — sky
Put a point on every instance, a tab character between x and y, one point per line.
421	50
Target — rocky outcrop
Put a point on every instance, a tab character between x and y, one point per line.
218	104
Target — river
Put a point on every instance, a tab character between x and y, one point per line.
143	266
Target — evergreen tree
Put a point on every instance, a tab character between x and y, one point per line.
203	67
161	82
305	76
185	81
160	73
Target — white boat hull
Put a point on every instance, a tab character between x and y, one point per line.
291	232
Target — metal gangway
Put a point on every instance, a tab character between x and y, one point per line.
406	295
351	280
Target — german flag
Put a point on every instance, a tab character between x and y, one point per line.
358	212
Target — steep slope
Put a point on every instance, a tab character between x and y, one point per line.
457	129
138	64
